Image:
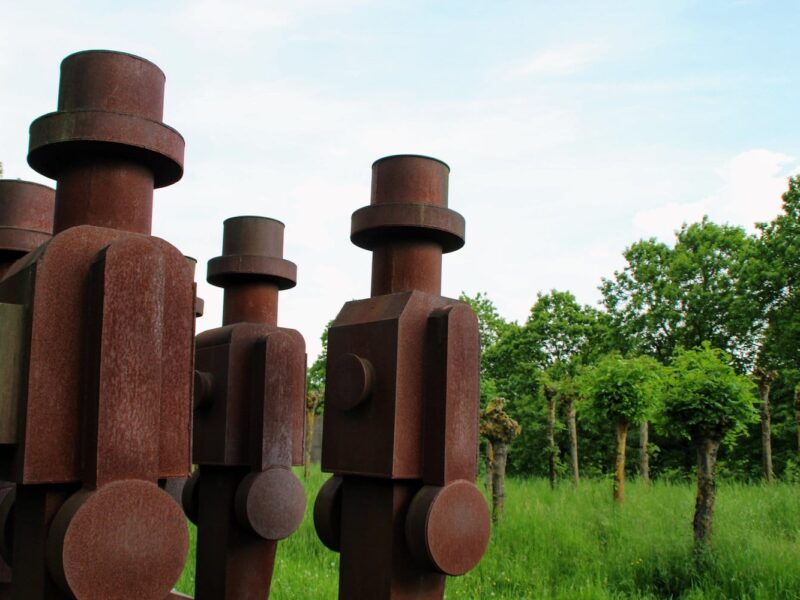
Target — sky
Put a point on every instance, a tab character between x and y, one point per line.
572	129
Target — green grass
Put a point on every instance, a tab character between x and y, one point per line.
568	544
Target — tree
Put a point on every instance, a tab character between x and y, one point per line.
491	326
316	374
622	391
773	281
500	430
558	335
694	292
776	278
315	396
569	394
706	402
764	379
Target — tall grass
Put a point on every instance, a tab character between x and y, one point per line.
575	544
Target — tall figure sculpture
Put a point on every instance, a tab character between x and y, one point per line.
104	396
400	425
248	418
26	222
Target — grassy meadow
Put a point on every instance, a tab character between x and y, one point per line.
575	545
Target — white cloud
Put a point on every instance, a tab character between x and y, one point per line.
662	221
753	182
749	191
563	60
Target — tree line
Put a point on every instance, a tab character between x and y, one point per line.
715	285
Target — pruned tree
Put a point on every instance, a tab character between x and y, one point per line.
764	379
622	392
797	416
644	451
562	387
500	430
558	336
706	402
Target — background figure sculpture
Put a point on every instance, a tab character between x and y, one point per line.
401	402
248	418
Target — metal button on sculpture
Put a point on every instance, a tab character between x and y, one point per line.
248	418
105	384
400	427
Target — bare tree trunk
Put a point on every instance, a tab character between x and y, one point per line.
797	416
551	435
644	452
764	385
619	462
706	490
313	399
489	466
500	452
310	416
573	442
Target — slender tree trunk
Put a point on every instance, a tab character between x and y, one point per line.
797	416
500	453
551	436
489	466
706	490
573	442
644	452
310	416
764	385
619	462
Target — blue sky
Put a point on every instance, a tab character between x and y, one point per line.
572	128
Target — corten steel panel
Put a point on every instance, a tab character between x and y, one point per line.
52	392
222	427
34	509
375	562
238	564
452	396
278	373
381	436
126	360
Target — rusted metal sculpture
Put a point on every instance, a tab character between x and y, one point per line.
26	222
107	315
248	418
26	219
401	406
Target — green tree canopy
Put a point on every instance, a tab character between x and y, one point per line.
682	296
316	374
704	397
622	389
776	276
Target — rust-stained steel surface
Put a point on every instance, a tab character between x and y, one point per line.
26	219
107	353
401	411
249	400
26	222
